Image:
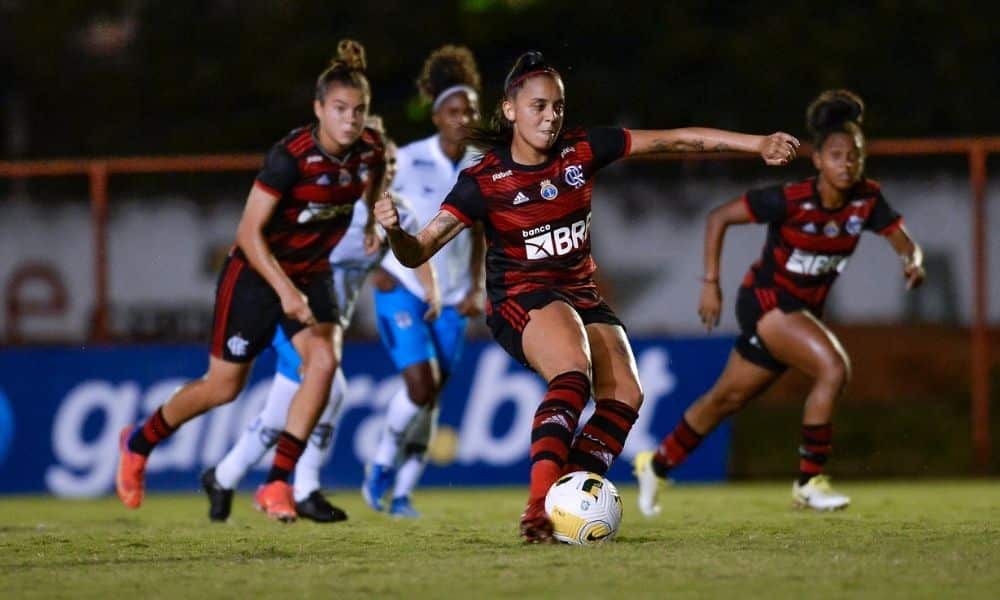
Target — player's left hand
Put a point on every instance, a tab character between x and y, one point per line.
472	304
778	148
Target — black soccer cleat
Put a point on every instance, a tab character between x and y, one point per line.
220	500
317	508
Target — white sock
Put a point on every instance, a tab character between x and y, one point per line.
259	436
320	442
408	475
397	419
413	455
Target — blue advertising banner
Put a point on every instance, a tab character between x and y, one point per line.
61	410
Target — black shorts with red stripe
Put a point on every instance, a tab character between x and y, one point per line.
248	310
508	319
754	302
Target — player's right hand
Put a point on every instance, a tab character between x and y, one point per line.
710	304
386	213
295	305
433	307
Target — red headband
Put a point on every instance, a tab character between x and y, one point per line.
518	80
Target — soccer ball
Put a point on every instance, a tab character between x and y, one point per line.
584	508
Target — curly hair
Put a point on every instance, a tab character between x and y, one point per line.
446	67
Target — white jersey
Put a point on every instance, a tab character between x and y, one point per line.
424	177
349	263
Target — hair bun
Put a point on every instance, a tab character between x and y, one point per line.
832	109
351	54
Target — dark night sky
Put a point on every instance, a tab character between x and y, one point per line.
191	76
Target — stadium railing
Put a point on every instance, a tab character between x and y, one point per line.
99	170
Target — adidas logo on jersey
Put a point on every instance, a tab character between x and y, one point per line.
809	228
324	179
544	242
520	198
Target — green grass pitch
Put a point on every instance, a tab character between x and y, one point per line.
901	540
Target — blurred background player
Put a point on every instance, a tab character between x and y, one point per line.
422	322
532	193
349	265
813	228
279	274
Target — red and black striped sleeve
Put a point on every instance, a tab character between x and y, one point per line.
608	144
883	218
466	200
766	205
280	171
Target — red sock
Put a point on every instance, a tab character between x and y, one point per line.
602	438
286	454
153	431
814	451
675	448
553	428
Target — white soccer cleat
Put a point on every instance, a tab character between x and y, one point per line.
649	484
818	495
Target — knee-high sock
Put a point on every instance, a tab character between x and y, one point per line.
817	442
259	436
413	457
153	431
398	417
675	448
553	428
602	438
320	443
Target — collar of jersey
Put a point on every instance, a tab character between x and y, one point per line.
503	153
813	182
330	157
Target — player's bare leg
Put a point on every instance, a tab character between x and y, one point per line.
618	395
555	344
221	384
319	346
740	382
800	340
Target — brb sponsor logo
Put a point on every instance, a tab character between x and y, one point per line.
545	242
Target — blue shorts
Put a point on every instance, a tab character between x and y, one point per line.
411	340
289	362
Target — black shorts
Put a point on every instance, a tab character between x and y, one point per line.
247	310
508	319
752	303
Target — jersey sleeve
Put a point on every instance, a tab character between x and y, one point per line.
280	171
766	205
465	200
608	144
883	218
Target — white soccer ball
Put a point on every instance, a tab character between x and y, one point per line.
584	508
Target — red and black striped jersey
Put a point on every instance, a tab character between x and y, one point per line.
316	194
537	218
808	245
